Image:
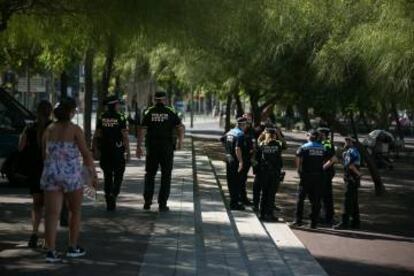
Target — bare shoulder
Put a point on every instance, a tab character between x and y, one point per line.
77	130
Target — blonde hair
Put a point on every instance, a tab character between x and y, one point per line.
266	137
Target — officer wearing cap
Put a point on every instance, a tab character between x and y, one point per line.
310	163
159	122
111	137
327	195
269	162
235	145
352	178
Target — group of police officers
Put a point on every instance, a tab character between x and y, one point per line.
260	148
164	134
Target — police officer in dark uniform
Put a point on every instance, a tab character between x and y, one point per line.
327	195
248	155
235	145
112	141
160	121
310	163
352	179
269	158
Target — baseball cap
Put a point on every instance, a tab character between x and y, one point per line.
112	100
241	120
312	133
159	95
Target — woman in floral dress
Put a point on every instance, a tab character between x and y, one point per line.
64	143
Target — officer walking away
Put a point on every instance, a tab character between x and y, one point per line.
159	122
310	163
352	179
327	195
269	158
234	142
111	136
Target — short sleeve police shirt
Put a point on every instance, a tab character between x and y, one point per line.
313	155
160	122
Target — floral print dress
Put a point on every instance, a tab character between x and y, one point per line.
62	168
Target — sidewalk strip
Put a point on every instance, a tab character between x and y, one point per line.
171	249
220	253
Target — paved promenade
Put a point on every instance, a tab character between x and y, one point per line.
199	236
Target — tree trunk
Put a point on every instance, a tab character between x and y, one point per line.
228	112
353	127
372	167
239	105
63	84
254	105
364	119
117	88
106	75
304	113
87	119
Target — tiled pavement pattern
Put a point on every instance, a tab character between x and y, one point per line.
200	236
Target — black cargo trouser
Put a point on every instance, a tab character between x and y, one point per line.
269	182
310	186
158	155
243	180
351	205
327	197
112	163
233	182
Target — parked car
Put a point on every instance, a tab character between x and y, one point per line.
13	118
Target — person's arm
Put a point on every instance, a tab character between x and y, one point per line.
239	158
180	133
86	154
330	162
125	138
298	162
355	170
45	138
140	138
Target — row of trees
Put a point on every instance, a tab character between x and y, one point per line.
345	58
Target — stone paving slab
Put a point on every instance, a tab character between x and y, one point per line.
171	249
218	250
291	257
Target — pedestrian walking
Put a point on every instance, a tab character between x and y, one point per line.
235	146
112	140
329	173
269	162
352	179
30	146
159	122
310	163
63	144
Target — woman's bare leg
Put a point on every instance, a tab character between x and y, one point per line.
38	201
74	204
53	204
